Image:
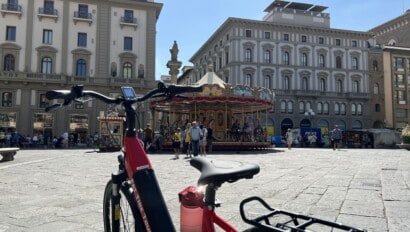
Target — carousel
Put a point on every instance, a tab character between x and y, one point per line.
238	115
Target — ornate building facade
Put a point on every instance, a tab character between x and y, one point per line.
50	44
293	51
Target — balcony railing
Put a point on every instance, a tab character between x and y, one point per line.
47	13
128	21
317	93
9	8
83	17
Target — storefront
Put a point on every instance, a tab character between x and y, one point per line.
8	121
43	125
79	128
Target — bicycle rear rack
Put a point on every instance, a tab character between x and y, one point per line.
284	221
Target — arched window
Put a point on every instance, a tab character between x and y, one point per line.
81	68
283	107
356	86
343	109
267	56
290	107
286	58
325	108
127	70
248	55
304	59
339	86
6	99
301	107
286	83
46	65
267	82
9	63
338	62
308	106
337	108
353	108
322	85
319	108
355	63
322	63
359	109
305	83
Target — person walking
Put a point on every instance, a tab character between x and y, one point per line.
289	138
202	141
209	138
335	137
187	142
176	142
147	137
195	134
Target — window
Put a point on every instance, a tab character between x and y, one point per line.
9	63
128	43
322	85
305	83
353	108
304	39
6	99
337	109
401	96
267	56
354	43
399	63
248	33
377	108
286	58
343	109
46	65
338	42
129	16
10	33
339	86
12	5
47	36
83	11
267	82
283	107
304	59
49	7
322	61
290	107
375	65
321	40
82	40
127	70
355	63
248	80
319	108
356	86
325	108
286	84
308	106
376	88
286	37
226	58
359	109
301	107
81	68
43	101
248	55
267	35
338	62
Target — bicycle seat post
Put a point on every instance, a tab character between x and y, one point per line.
210	194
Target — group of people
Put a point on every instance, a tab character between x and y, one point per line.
191	140
245	134
335	138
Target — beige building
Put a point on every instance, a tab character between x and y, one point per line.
48	44
393	38
294	52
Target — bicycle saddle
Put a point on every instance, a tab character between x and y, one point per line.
218	171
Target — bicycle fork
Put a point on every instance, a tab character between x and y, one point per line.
117	179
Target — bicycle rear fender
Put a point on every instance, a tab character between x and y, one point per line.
152	201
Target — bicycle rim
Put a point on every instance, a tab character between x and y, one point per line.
130	219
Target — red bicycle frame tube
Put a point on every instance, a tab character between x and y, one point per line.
210	218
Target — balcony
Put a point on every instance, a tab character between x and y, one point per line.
129	21
83	17
11	9
47	13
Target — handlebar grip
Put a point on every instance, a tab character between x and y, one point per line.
57	94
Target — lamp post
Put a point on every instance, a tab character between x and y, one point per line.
310	113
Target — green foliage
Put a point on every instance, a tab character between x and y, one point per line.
405	135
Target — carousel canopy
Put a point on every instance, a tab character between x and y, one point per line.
218	95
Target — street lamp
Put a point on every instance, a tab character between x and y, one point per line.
310	113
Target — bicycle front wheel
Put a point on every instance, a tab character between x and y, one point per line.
129	216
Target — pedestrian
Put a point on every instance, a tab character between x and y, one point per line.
187	142
195	134
202	141
147	137
209	138
176	142
289	138
335	137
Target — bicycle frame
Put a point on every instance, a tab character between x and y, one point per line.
210	218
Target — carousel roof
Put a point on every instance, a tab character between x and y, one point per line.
219	95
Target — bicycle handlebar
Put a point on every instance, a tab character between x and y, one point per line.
76	92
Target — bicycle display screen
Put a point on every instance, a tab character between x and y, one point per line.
129	93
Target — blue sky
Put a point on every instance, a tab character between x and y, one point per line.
192	22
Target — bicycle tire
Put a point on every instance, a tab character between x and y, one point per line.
131	219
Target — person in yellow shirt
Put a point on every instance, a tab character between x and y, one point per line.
176	142
187	142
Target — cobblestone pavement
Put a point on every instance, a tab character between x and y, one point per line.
62	190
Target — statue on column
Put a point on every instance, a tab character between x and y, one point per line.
174	51
174	64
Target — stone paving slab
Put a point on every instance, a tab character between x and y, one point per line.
62	190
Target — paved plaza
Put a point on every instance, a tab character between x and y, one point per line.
62	190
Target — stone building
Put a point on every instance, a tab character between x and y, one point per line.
311	67
57	44
393	38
